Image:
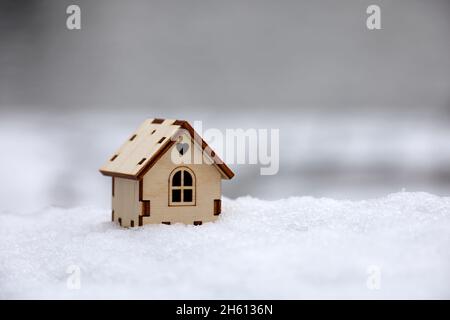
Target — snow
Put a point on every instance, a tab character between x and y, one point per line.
300	247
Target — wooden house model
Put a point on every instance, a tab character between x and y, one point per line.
165	173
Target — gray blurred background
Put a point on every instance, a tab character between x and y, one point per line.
361	113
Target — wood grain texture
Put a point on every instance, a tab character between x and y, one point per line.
148	143
156	189
125	202
144	145
141	171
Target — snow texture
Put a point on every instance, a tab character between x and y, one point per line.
300	247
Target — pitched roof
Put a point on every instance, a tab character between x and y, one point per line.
146	146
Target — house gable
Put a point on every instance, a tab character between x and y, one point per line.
156	188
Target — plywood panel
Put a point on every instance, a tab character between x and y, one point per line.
125	201
145	144
156	189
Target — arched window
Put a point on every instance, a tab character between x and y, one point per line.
182	187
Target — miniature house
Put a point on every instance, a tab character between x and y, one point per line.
165	173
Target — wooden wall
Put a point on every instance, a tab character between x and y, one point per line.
125	202
156	188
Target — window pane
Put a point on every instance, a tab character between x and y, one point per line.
176	195
187	179
176	180
187	195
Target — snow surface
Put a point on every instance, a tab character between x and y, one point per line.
300	247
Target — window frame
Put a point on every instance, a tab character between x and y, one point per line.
182	187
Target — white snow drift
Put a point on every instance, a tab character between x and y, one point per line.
393	247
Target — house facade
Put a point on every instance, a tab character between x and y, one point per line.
165	173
